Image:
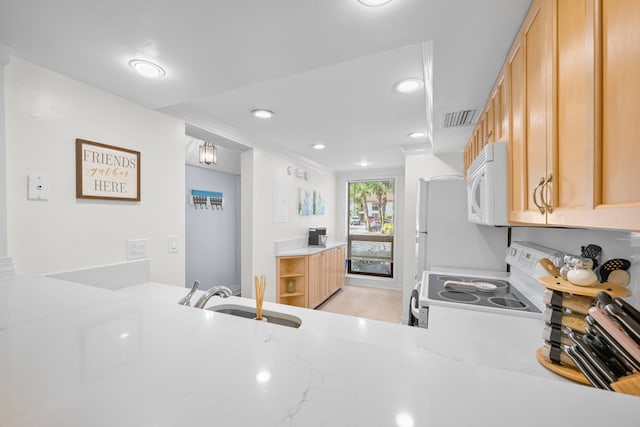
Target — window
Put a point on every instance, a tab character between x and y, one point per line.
371	219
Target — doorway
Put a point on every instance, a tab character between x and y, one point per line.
212	212
370	231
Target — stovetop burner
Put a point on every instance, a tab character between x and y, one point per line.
508	302
459	296
504	297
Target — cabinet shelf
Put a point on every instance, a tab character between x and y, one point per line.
292	275
293	294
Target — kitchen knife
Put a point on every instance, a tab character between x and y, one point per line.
628	308
598	365
602	299
631	327
584	367
622	354
616	332
602	350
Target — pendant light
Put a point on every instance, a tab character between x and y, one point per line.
208	154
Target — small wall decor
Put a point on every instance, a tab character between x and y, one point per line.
205	199
306	202
106	172
318	203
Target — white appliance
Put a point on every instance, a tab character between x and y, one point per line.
487	186
501	327
445	237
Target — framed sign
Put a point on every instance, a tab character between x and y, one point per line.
106	172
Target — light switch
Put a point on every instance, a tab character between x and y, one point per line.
38	187
172	244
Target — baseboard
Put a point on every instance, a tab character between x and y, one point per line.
371	281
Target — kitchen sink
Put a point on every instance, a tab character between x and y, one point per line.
250	313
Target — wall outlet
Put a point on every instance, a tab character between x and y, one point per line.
37	187
172	244
136	249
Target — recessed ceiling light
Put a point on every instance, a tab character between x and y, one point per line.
363	163
147	69
263	376
263	114
374	3
318	146
416	134
408	85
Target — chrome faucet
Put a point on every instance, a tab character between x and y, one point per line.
221	291
187	299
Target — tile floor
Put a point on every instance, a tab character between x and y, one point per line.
370	303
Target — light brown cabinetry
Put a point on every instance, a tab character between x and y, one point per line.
570	97
493	123
615	198
337	270
591	101
531	98
292	273
316	277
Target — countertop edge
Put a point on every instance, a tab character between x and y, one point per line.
311	250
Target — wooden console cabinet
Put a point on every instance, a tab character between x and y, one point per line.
308	280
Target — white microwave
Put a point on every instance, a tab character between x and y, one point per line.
487	186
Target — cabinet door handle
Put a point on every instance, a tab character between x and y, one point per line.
543	192
535	199
489	135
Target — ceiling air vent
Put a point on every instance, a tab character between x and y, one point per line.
459	118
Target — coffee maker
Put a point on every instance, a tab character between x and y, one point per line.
318	236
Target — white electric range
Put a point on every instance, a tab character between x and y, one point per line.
491	318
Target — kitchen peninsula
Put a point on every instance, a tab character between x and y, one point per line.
74	355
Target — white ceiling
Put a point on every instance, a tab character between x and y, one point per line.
325	67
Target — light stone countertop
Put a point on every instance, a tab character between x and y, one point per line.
310	250
73	355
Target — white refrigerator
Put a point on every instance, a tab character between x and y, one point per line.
445	237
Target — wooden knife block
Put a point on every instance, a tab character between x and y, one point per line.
627	385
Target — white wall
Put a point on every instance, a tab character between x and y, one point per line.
342	180
259	232
213	235
418	166
4	60
46	112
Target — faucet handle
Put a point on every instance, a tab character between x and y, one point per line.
224	291
187	299
221	291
